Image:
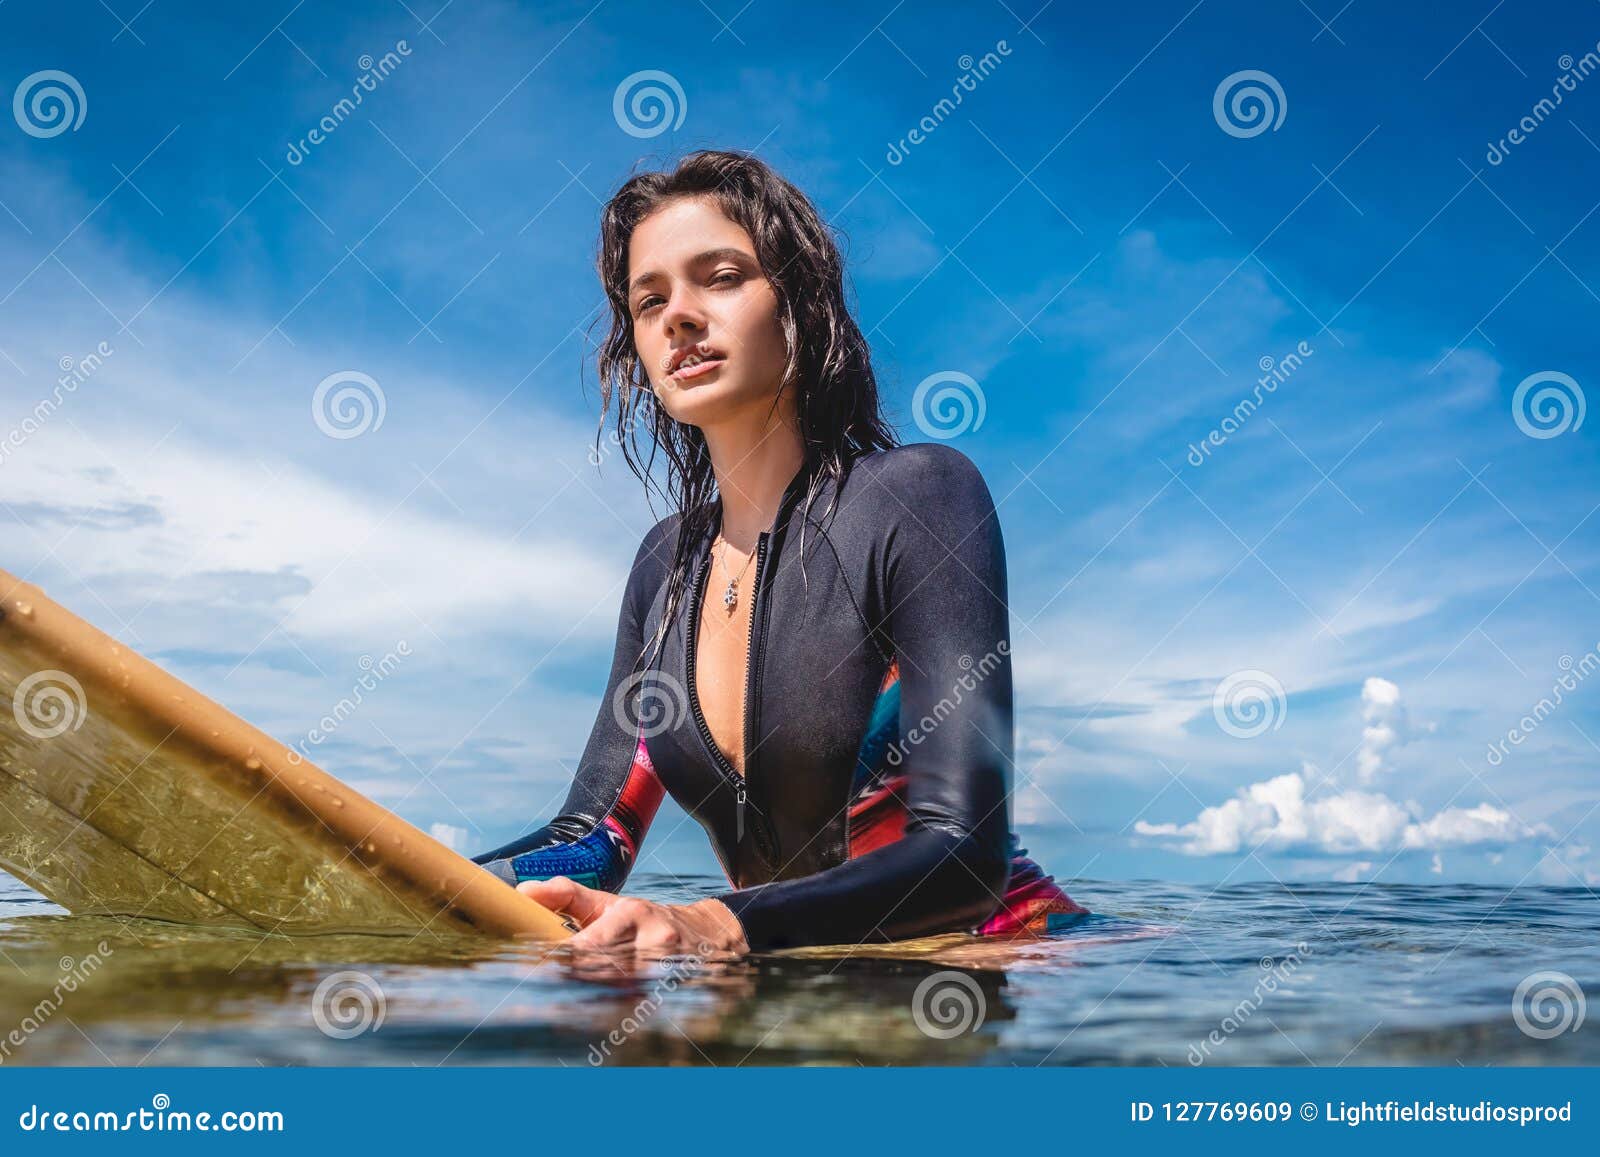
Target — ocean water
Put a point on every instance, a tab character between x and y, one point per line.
1163	974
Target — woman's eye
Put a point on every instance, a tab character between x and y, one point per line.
655	301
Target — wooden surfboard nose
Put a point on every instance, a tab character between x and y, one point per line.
124	791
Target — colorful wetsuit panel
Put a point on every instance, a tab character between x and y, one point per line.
1033	902
603	858
878	810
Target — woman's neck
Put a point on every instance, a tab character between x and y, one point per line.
752	474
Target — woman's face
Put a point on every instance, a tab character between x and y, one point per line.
705	317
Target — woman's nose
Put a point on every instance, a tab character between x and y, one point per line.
683	313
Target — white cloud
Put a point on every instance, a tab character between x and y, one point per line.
192	451
1276	815
1354	873
369	566
1387	726
1468	827
451	836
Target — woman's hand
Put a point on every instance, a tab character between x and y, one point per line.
612	923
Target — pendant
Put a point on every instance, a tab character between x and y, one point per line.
730	596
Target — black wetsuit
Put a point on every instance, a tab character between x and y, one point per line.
878	721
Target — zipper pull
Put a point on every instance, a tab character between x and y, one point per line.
739	828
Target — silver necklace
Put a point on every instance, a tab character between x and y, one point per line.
730	596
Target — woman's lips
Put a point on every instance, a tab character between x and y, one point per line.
696	367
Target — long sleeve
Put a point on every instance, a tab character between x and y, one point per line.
596	838
942	575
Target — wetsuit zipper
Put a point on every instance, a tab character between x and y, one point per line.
738	782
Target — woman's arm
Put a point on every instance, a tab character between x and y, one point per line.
943	578
595	839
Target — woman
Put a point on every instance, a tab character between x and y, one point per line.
813	653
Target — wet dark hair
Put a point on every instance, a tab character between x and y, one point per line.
829	368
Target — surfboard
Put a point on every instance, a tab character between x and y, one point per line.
126	792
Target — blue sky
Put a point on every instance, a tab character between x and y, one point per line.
1108	262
